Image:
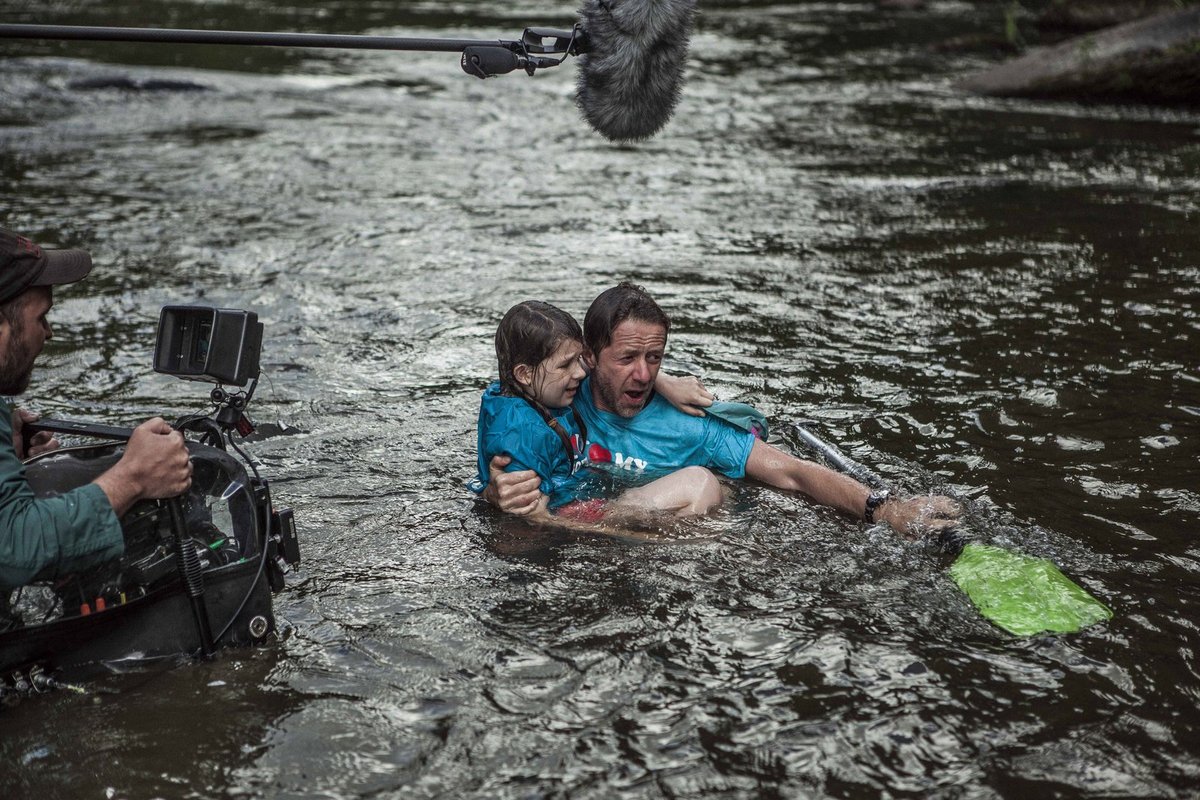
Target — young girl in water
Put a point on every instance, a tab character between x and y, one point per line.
527	415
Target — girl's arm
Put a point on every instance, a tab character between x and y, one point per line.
685	392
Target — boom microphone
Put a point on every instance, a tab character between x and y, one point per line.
631	55
631	69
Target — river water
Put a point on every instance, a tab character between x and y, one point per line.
992	298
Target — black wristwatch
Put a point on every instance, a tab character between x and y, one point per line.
874	501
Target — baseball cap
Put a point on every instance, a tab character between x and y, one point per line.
24	264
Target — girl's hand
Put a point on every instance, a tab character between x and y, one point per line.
686	393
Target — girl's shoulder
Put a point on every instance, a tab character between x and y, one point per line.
499	414
499	406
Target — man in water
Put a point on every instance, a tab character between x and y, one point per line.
42	537
631	428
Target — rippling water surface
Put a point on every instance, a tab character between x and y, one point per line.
997	299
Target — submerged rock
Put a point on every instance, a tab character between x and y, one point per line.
128	84
1092	15
1155	60
901	5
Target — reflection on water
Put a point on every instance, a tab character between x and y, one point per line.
992	298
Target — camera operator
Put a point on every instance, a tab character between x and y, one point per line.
42	537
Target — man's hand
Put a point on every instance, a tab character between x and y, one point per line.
159	459
42	441
512	492
155	465
913	517
685	392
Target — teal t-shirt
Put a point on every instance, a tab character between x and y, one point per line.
660	439
53	535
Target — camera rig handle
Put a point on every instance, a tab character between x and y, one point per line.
30	429
75	427
230	414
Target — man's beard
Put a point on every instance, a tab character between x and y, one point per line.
13	382
16	367
610	398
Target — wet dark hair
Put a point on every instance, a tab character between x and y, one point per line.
614	306
529	334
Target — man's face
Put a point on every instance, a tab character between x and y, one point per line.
624	372
21	340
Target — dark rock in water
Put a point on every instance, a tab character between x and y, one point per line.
901	5
127	84
1092	15
1156	60
992	43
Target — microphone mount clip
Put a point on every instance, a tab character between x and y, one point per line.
487	60
545	41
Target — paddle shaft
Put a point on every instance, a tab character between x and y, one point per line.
839	459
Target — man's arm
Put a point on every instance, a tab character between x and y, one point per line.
512	492
910	516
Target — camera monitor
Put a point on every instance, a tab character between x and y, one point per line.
202	343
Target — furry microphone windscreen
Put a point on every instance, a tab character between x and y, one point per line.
630	77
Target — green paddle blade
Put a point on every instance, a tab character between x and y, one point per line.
1022	594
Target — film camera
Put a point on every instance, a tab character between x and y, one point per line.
215	554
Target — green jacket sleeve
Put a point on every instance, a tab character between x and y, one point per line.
51	534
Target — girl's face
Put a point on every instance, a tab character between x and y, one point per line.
554	382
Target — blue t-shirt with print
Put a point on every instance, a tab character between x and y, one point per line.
660	438
510	425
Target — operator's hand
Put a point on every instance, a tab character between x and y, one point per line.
513	492
685	392
913	517
159	459
42	441
155	465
